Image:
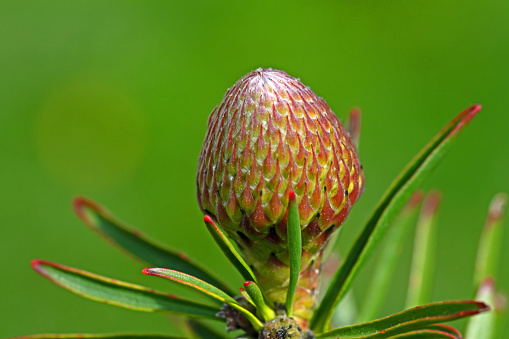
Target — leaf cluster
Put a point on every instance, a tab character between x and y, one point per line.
391	213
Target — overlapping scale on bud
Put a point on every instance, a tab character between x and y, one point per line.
269	135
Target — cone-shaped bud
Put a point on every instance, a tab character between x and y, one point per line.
271	134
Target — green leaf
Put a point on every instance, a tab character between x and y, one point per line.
483	326
256	297
229	250
409	320
346	313
200	330
188	280
392	201
448	329
203	287
294	249
246	296
137	245
489	244
99	336
118	293
425	334
422	260
388	259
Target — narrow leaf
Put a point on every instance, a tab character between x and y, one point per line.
202	331
188	280
392	201
118	293
413	319
483	326
489	244
425	334
256	296
246	296
422	260
203	287
388	259
229	250
294	249
99	336
446	328
137	245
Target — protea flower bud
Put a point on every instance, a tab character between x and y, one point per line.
271	134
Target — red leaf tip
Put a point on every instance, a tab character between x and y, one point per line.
77	205
465	117
208	219
497	208
416	198
81	204
247	283
38	266
483	307
36	263
474	110
291	194
488	282
355	112
432	202
146	271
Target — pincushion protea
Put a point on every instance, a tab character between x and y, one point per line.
278	173
271	134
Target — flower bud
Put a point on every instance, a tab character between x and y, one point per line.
271	134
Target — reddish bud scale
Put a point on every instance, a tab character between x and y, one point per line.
269	136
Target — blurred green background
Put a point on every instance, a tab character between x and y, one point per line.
109	99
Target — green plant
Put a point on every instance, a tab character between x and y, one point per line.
278	174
